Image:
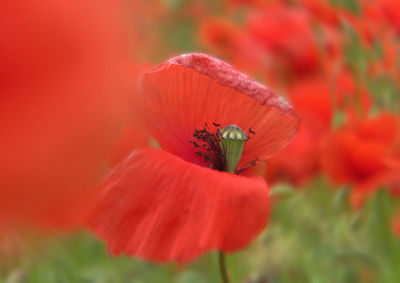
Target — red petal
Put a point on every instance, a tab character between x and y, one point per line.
157	206
190	90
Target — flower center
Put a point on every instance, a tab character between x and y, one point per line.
222	148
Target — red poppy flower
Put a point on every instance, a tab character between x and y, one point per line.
299	162
171	204
229	41
312	98
365	154
292	44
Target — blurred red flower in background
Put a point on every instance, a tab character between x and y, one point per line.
382	14
219	34
365	154
299	162
66	87
279	52
315	100
169	204
230	41
323	11
296	53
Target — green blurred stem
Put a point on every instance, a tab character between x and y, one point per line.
222	267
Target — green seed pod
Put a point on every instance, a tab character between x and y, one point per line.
232	145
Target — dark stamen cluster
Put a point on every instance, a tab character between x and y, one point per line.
207	146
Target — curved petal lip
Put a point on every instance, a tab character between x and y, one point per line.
228	76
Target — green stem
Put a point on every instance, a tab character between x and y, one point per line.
222	267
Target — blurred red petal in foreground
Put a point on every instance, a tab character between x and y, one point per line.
64	98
